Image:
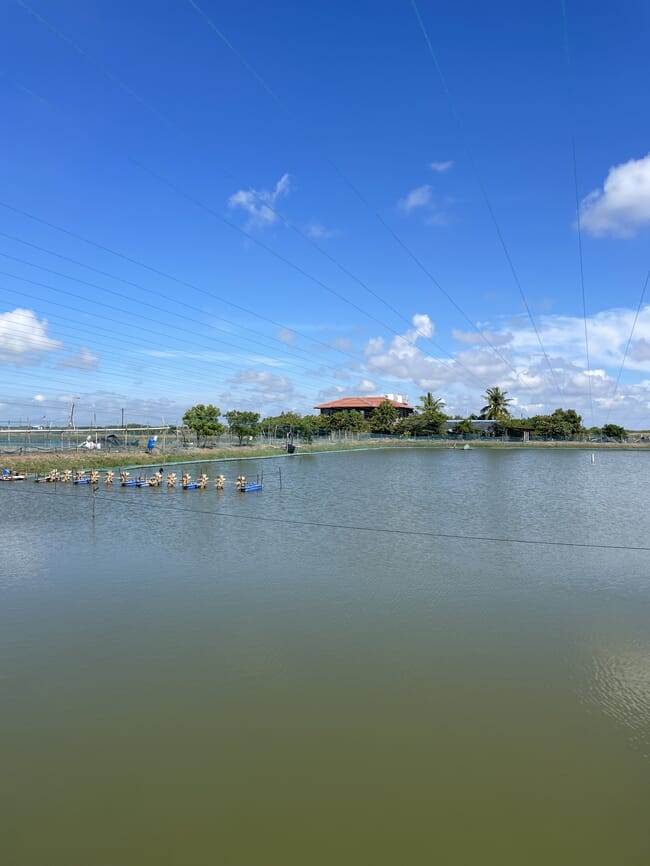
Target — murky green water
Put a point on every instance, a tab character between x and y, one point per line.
205	678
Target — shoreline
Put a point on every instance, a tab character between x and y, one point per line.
35	463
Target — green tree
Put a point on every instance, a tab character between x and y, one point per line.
430	405
571	421
497	405
309	427
204	421
383	418
421	425
351	419
243	424
464	427
323	423
562	424
613	431
282	424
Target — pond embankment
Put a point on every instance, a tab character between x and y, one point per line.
39	462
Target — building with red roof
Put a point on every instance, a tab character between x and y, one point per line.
365	405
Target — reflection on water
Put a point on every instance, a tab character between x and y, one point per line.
621	688
209	677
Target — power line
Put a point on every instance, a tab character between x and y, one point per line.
483	190
381	530
574	163
133	284
276	254
205	292
405	247
137	344
629	341
402	244
179	191
134	300
161	273
104	69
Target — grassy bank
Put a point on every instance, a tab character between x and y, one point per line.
82	459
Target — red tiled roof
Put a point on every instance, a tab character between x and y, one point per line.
360	403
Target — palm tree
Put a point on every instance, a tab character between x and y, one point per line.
497	405
430	405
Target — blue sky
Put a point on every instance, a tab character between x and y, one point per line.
265	206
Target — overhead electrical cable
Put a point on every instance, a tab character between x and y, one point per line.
484	193
104	69
627	345
269	249
202	366
136	285
359	195
156	307
131	502
166	275
574	163
266	247
195	341
179	191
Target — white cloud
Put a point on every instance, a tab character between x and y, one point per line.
267	383
421	198
418	197
332	393
640	350
622	206
318	231
106	406
402	359
23	338
524	373
260	204
437	218
83	360
344	344
474	338
423	327
286	336
208	356
441	167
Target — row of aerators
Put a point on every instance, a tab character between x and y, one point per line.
92	477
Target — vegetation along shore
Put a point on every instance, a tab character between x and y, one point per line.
203	435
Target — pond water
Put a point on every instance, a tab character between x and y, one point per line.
385	657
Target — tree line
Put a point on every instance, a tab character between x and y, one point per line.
429	419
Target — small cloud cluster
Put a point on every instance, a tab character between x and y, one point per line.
523	368
286	336
83	360
476	338
421	198
266	383
24	339
403	359
416	198
318	231
260	204
622	206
